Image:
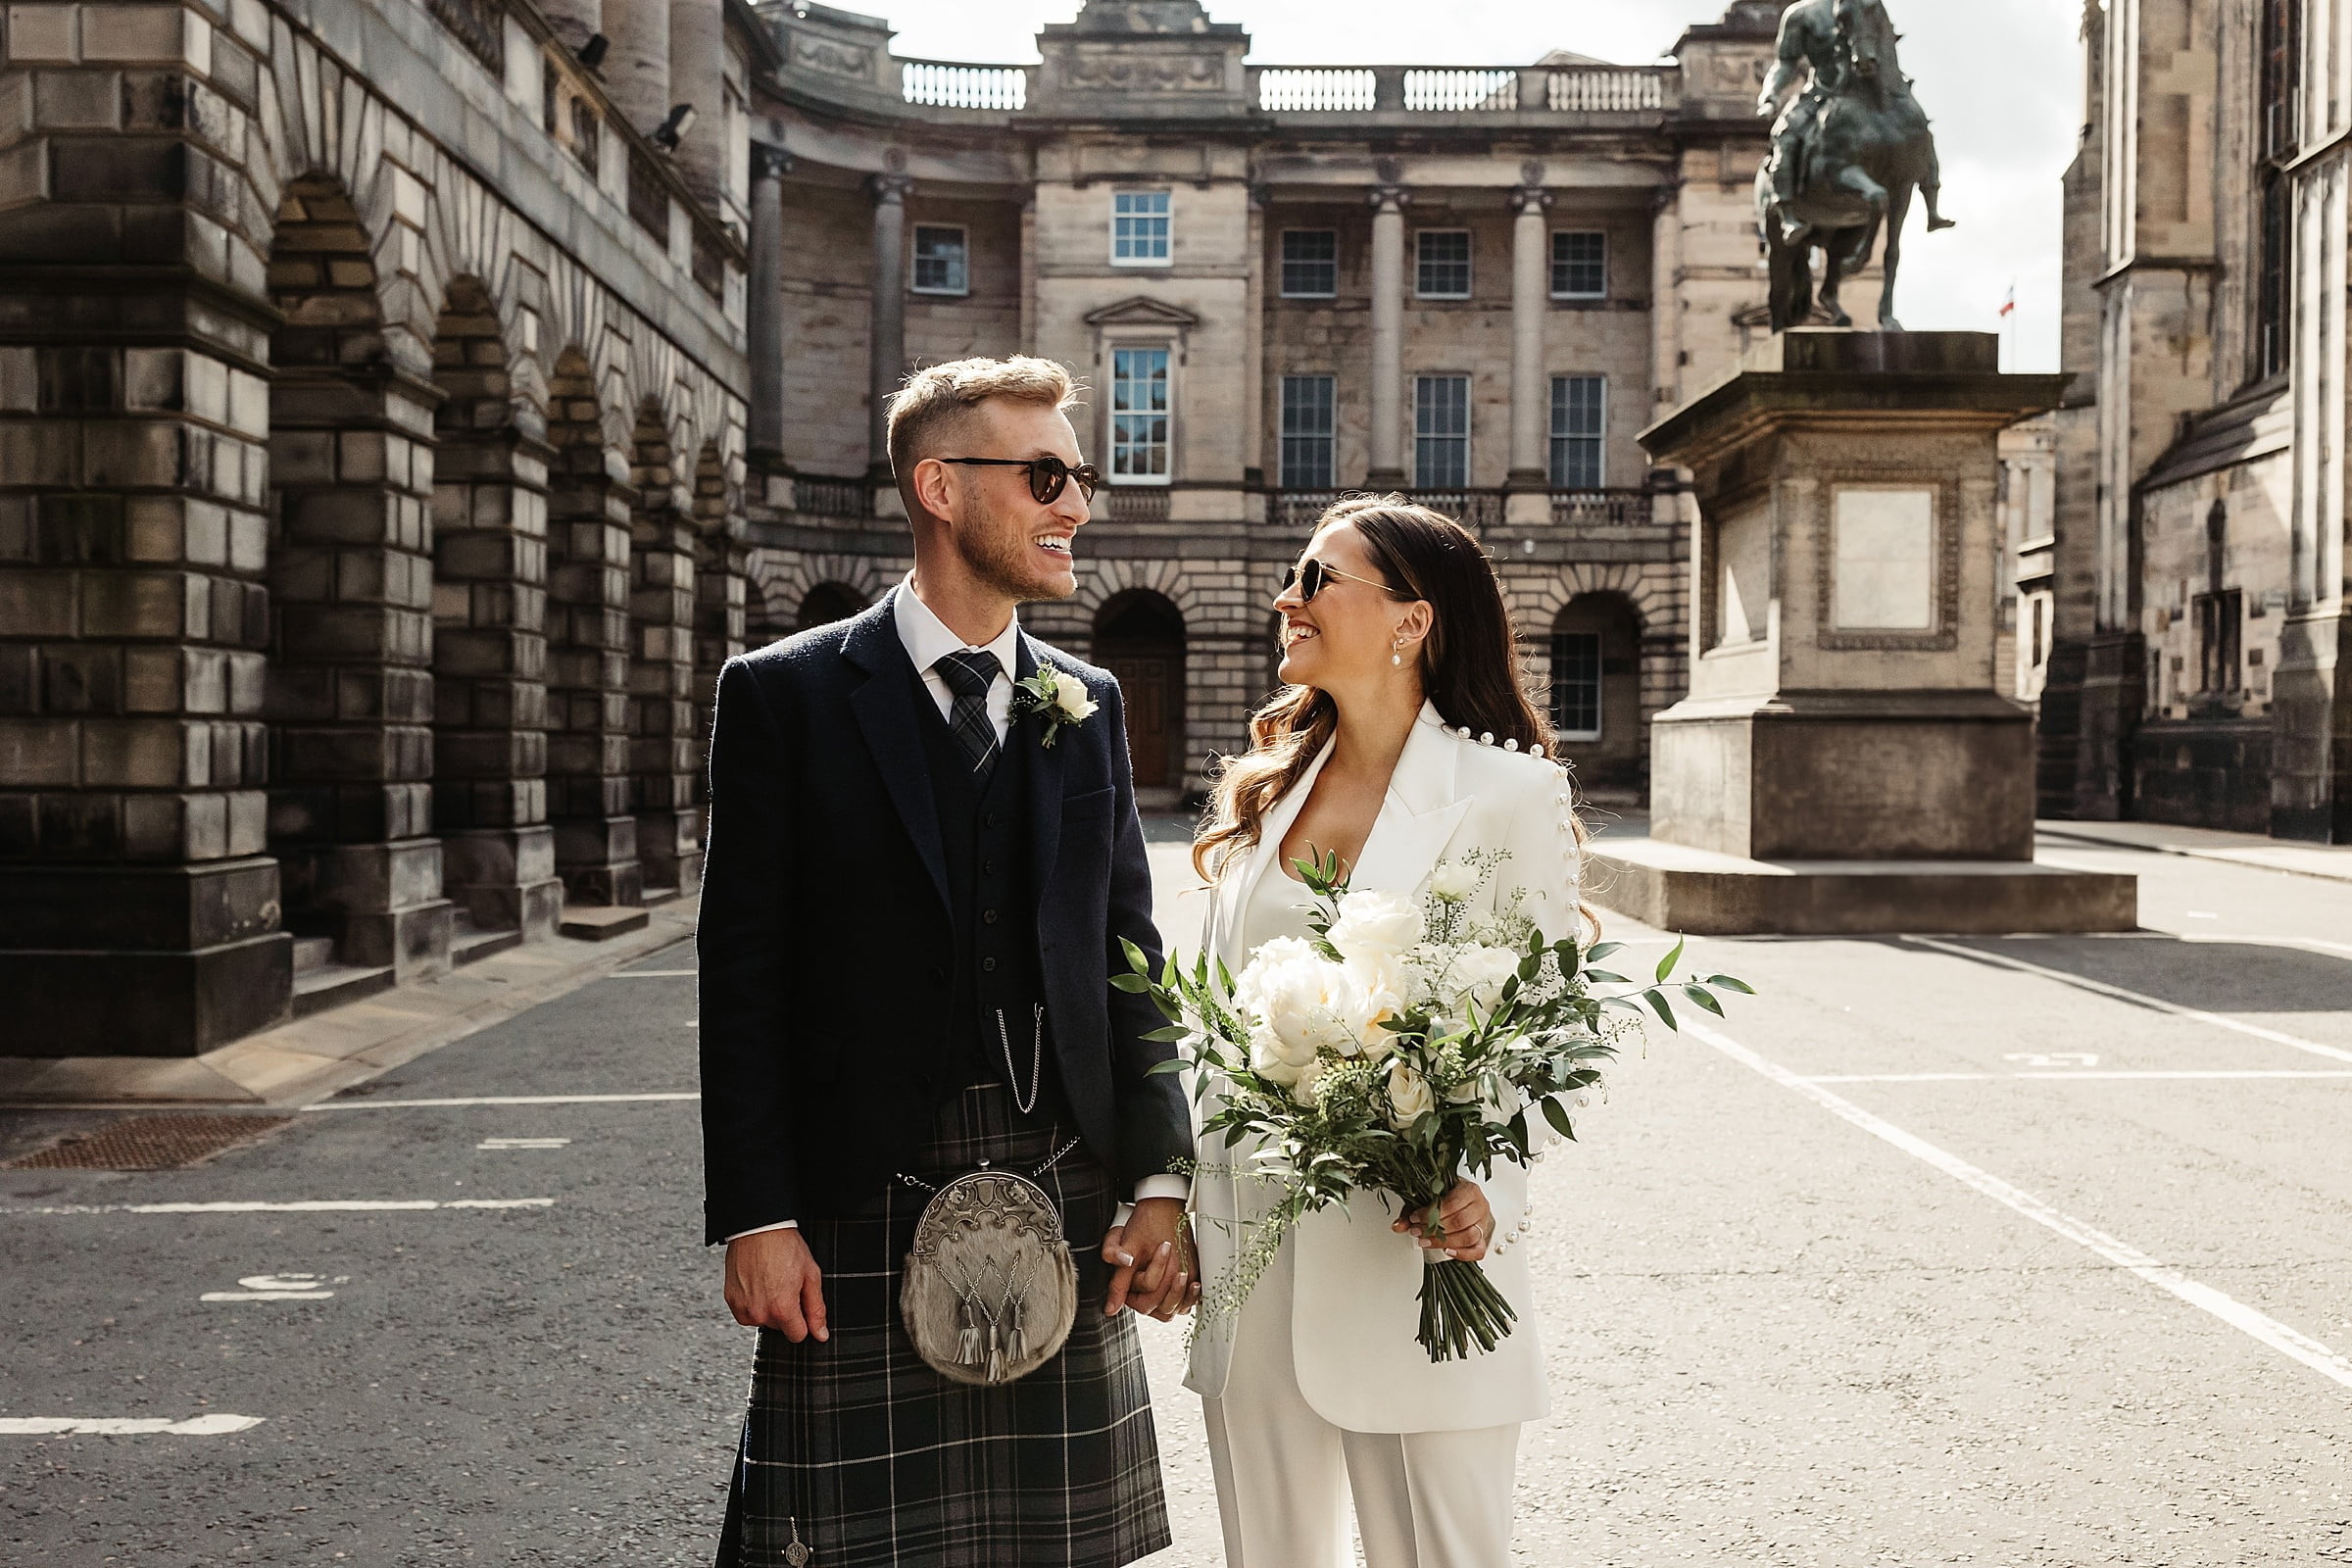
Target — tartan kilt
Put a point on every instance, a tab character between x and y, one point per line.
869	1459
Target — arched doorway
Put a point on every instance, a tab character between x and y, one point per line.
1597	689
1139	637
827	603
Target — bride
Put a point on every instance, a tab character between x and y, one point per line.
1401	738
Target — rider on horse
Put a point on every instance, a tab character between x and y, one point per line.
1838	49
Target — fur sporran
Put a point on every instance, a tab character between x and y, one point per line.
989	1290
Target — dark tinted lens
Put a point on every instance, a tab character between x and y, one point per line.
1311	579
1046	477
1088	477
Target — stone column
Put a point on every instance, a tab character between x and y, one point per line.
587	680
1388	336
1531	293
637	67
351	688
886	337
763	308
698	73
575	20
662	619
1666	299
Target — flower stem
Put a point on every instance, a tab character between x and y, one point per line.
1459	1305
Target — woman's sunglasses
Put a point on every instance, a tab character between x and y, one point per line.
1047	476
1312	576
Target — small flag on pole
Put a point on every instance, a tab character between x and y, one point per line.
2009	305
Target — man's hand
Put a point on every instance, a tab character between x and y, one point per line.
1469	1223
772	1283
1151	1261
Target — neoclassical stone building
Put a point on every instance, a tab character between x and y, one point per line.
372	487
1280	282
2197	574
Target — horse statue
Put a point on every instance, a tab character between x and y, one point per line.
1849	146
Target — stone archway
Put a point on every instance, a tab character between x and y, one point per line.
827	603
351	580
1139	637
1595	690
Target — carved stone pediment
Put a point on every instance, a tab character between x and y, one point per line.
1142	311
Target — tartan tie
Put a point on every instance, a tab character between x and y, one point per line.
969	672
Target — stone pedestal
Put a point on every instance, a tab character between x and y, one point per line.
669	845
596	858
386	901
505	879
1843	729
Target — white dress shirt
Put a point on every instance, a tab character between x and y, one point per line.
928	640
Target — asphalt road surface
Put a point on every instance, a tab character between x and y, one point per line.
2001	1251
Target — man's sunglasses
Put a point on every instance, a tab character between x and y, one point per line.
1047	476
1311	578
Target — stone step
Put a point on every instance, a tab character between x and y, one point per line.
313	954
334	984
655	898
595	922
469	942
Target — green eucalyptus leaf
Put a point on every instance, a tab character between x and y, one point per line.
1557	1114
1729	984
1159	1069
1657	1002
1134	985
1699	994
1667	963
1601	950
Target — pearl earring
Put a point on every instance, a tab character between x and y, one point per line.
1398	658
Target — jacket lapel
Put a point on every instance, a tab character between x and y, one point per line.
1233	893
1420	813
884	705
1044	772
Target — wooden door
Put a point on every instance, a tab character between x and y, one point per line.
1147	681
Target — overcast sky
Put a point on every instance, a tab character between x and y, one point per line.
2001	79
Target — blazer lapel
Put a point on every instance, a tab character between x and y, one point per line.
1420	813
1046	770
884	705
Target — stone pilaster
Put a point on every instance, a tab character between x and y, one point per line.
636	68
886	340
698	68
1530	292
661	754
1388	336
764	307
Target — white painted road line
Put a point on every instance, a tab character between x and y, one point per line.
524	1142
497	1099
278	1288
2122	1254
315	1205
2142	999
203	1426
650	974
2113	1074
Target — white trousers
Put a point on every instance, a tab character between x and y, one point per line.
1423	1500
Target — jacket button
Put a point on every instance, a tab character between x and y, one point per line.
987	869
989	917
993	820
939	977
989	965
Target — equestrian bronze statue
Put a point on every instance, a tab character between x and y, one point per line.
1849	146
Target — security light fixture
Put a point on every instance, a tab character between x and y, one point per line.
681	121
592	52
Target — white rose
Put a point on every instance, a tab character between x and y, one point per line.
1069	696
1305	1000
1374	924
1269	1057
1410	1099
1453	880
1479	974
1380	986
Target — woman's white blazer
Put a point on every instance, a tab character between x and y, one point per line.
1356	1306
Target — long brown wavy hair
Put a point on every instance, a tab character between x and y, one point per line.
1469	664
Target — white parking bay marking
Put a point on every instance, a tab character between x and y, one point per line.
2142	997
311	1206
2052	1059
2122	1254
498	1099
524	1143
203	1426
650	974
278	1288
2105	1075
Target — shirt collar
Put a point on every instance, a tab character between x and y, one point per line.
928	639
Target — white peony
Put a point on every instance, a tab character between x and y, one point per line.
1453	880
1270	1059
1409	1096
1069	696
1308	1089
1375	925
1306	1001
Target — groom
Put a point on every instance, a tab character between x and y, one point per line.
915	894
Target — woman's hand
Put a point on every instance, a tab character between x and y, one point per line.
1468	1220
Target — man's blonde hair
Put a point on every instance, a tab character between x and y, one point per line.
936	402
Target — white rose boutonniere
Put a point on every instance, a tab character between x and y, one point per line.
1058	696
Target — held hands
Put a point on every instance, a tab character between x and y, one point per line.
773	1283
1469	1223
1151	1261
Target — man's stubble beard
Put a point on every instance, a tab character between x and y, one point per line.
1002	559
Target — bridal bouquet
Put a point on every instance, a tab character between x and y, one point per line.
1405	1041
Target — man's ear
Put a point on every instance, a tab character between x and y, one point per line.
934	488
